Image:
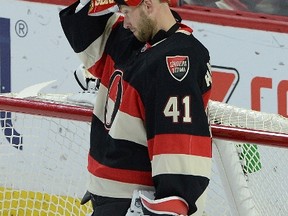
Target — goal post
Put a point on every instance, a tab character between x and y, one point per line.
44	142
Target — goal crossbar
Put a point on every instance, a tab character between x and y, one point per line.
249	135
45	108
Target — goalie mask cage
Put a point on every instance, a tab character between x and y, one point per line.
44	143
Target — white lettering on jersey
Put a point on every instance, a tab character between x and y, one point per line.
173	110
208	76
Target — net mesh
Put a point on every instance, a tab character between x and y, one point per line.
43	163
225	114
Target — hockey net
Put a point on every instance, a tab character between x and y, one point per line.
44	142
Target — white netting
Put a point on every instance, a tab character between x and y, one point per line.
263	167
225	114
43	164
269	184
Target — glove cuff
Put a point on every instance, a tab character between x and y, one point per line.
166	206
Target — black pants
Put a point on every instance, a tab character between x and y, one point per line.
106	206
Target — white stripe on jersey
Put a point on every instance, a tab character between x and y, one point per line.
94	51
128	127
181	164
125	126
184	31
99	108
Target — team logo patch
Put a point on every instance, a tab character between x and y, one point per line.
178	66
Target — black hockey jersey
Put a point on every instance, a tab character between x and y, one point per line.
150	127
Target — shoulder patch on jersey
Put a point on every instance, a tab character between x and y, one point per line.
178	66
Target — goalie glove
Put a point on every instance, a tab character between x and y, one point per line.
85	80
144	203
88	83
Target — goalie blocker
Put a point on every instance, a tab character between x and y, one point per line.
144	203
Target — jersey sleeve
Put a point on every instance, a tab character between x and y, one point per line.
88	35
179	140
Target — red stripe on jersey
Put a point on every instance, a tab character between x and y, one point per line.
121	175
119	20
97	69
103	69
180	144
105	64
132	103
206	98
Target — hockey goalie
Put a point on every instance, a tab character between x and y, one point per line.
150	142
